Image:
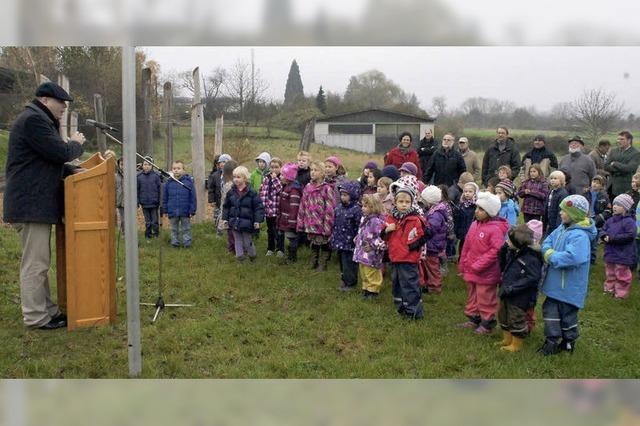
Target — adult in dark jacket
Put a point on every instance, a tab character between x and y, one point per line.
541	155
428	146
503	152
33	197
622	163
149	198
445	165
403	153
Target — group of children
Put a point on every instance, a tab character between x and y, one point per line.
389	219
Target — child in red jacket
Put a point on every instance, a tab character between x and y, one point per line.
479	263
405	233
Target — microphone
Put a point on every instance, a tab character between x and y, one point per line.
101	125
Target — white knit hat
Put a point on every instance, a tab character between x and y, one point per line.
431	195
489	202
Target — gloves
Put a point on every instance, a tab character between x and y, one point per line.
547	255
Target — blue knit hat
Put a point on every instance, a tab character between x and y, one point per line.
391	172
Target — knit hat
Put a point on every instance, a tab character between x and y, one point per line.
431	195
507	186
371	165
406	189
224	158
475	186
536	227
520	236
576	206
335	160
409	168
289	171
539	138
489	202
391	172
625	201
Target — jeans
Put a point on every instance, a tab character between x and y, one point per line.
151	227
178	222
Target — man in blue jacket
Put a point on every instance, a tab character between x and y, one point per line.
33	198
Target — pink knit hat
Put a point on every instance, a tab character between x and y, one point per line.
335	160
290	171
536	226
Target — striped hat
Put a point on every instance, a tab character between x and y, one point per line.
625	201
507	186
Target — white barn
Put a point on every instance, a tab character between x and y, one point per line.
371	131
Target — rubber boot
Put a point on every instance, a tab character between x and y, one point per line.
515	346
506	338
325	255
292	255
315	255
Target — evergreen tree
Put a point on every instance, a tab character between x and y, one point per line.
321	101
294	91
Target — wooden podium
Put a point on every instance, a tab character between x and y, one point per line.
85	245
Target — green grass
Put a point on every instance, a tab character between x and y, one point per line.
4	148
263	320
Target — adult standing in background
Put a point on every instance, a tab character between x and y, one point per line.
428	146
622	163
539	154
403	153
503	152
471	160
445	165
579	166
599	156
33	198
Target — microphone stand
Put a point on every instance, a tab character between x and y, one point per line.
159	304
162	172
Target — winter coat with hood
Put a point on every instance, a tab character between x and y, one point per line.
599	202
510	211
148	189
621	247
445	166
316	213
35	167
567	277
242	209
463	219
369	244
494	158
396	157
269	193
178	201
521	274
288	207
406	242
258	175
479	254
436	218
533	202
551	218
347	218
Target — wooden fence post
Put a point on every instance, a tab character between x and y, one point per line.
197	148
217	147
74	122
147	134
167	114
99	114
63	81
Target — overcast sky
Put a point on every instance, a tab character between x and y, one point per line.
538	76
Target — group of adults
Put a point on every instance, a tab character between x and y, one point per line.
442	162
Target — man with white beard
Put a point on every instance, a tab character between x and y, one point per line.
579	165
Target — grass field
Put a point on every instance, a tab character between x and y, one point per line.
264	320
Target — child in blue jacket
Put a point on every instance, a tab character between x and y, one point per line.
149	198
567	251
509	208
179	203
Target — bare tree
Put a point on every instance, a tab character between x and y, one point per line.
596	112
210	87
439	105
246	87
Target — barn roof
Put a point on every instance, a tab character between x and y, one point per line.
376	115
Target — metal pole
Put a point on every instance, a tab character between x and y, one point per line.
130	204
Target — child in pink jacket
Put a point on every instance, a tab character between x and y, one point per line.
316	215
479	264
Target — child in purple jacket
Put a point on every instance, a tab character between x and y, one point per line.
369	246
437	230
619	233
269	192
345	229
533	192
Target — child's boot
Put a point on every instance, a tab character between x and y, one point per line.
507	337
515	346
315	255
550	348
292	255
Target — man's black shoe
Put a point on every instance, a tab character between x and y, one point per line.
51	325
60	316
